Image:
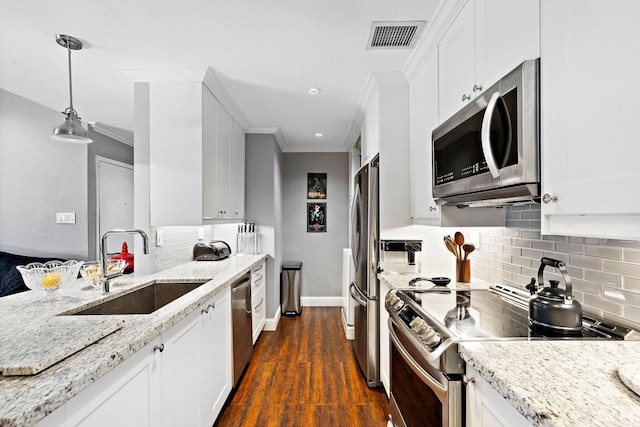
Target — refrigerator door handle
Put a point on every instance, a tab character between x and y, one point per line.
360	297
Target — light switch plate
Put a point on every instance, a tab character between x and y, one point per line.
158	237
65	218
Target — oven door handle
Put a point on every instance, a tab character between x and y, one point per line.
433	384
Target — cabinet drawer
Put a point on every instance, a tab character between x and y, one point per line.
259	311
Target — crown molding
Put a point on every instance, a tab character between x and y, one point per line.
121	135
271	130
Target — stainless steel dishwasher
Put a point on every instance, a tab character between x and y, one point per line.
242	325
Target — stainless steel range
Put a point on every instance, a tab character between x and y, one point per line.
426	326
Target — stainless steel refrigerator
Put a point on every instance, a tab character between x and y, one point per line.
365	288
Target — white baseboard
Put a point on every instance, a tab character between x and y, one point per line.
271	323
349	330
321	301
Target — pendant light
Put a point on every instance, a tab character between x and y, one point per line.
70	130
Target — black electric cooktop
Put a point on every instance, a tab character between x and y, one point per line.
497	313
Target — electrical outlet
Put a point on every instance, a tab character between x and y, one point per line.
200	233
158	237
65	218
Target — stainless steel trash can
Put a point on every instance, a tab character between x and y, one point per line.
290	288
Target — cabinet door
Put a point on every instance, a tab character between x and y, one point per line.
589	115
215	377
180	373
128	395
507	33
456	63
423	101
236	195
209	168
259	314
373	129
487	408
223	162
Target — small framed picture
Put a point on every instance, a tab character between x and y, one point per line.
316	185
316	217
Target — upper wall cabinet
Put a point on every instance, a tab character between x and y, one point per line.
370	133
589	113
486	40
222	162
196	163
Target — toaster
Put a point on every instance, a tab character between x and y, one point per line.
215	250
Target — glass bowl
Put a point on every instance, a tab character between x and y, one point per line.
50	275
91	271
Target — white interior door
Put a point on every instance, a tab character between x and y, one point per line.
114	208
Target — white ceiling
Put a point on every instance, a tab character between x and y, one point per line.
266	53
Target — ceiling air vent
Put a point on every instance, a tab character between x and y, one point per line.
394	35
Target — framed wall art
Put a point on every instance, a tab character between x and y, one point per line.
316	217
317	185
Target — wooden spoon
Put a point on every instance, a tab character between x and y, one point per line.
468	248
451	245
459	238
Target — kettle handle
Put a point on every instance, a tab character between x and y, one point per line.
560	265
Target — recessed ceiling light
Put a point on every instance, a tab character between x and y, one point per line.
313	91
318	134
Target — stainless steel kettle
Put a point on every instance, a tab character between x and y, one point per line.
552	308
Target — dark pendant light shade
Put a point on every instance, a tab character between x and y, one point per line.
70	130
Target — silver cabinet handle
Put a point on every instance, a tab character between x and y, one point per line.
258	305
208	217
431	209
207	308
547	198
465	97
477	88
160	348
466	380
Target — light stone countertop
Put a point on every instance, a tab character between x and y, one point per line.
401	282
560	384
28	399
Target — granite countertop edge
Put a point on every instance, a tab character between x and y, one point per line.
28	399
553	383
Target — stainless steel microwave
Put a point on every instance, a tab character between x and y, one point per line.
488	153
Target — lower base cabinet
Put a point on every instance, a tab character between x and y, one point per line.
181	378
486	408
385	368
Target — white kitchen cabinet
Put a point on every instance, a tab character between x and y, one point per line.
128	396
258	299
182	377
195	157
589	77
215	361
486	40
370	133
224	163
487	408
385	367
423	108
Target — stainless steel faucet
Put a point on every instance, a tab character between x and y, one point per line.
103	249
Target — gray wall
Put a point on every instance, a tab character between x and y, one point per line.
39	177
320	253
263	206
111	149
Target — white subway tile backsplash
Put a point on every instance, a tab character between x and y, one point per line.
624	269
603	278
605	272
603	252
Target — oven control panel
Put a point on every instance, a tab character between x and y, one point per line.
413	320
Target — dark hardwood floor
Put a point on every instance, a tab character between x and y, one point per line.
305	374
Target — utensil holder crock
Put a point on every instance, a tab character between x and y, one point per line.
463	270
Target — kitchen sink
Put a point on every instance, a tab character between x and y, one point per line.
145	300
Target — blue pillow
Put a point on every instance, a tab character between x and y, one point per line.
12	283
